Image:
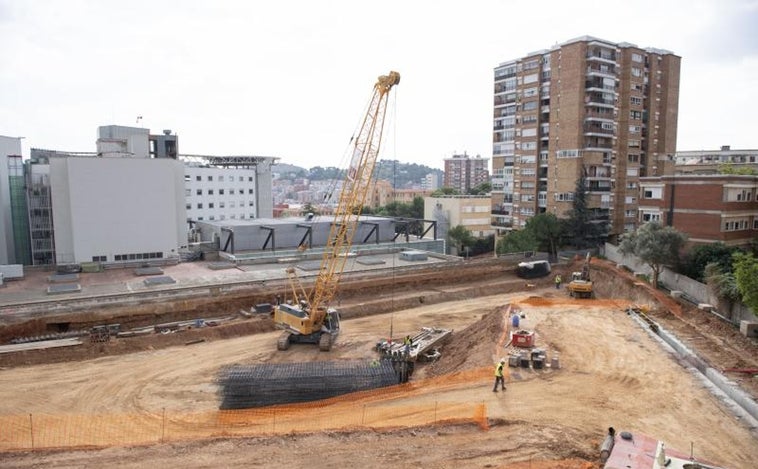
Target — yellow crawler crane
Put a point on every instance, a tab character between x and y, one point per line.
311	319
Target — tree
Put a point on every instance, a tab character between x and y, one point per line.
516	241
460	236
445	191
582	226
308	208
481	189
729	168
695	262
547	231
746	275
655	245
724	283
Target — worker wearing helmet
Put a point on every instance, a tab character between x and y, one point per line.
499	376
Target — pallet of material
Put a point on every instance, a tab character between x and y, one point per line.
423	343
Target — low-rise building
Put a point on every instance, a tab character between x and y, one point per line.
469	211
707	207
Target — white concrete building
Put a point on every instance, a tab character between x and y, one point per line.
9	146
117	209
221	188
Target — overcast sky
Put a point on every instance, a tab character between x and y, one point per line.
292	78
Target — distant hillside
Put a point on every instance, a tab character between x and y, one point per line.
399	174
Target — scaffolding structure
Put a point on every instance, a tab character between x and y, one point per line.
246	386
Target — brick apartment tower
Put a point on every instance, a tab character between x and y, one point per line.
587	106
464	173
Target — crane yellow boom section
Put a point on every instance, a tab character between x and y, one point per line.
352	198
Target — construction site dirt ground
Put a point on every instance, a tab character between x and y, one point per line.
613	373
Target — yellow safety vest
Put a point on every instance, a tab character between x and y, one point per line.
499	370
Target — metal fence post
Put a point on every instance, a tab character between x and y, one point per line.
31	429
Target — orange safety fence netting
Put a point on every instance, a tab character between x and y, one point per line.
37	431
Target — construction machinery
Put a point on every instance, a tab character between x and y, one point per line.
580	285
310	318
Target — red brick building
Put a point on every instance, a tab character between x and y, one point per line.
707	207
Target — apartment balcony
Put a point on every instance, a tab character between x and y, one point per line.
505	100
595	143
606	57
598	131
605	72
599	186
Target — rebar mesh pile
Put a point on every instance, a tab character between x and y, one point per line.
245	386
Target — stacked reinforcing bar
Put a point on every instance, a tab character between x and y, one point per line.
246	386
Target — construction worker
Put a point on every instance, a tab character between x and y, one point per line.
558	281
499	376
407	342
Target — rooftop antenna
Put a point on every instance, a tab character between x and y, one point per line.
139	121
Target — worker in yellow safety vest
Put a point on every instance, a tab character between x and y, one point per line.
499	376
558	281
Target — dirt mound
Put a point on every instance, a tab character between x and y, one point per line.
473	347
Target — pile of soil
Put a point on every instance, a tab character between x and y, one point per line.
473	347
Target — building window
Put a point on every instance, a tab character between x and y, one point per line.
636	58
211	218
635	115
188	207
210	178
635	129
200	205
99	258
632	158
199	192
221	179
648	216
250	179
221	205
221	191
652	193
187	192
198	178
249	191
636	72
530	106
635	101
210	205
736	225
241	179
210	191
530	78
634	143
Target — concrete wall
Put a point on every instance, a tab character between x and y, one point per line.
112	206
693	289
